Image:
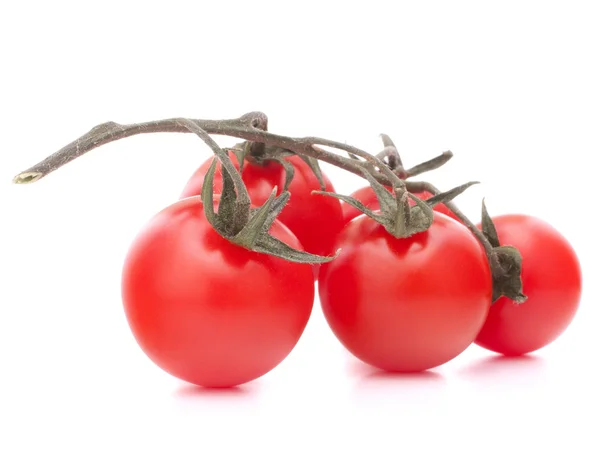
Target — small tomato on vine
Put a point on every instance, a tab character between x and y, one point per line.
551	278
406	304
206	310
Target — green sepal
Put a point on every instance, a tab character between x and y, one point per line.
255	235
208	199
267	244
231	210
402	210
313	164
487	226
387	141
261	219
429	165
353	202
225	212
240	150
387	202
390	153
255	226
421	215
289	171
242	198
449	195
236	221
506	263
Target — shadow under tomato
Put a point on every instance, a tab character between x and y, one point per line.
497	366
189	391
423	376
369	373
380	390
371	380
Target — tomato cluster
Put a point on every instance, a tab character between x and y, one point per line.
215	314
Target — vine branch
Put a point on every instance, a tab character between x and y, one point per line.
252	127
248	127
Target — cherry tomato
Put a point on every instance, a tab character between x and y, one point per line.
314	219
367	196
207	311
551	278
407	304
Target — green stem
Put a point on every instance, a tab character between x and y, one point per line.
418	187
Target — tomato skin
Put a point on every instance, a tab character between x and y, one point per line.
408	304
314	219
551	276
367	196
207	311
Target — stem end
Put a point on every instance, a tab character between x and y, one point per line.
27	177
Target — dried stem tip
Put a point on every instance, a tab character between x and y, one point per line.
26	177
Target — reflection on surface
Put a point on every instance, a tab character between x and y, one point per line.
406	377
500	366
357	368
393	389
189	391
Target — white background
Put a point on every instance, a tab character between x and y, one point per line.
512	88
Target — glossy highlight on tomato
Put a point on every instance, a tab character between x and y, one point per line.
407	304
552	282
314	219
207	311
366	195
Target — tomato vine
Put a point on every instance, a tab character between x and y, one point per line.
248	226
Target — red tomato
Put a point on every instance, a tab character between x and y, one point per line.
314	219
406	304
207	311
367	196
551	278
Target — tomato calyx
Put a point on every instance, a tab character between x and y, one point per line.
248	226
506	263
247	151
236	220
391	157
395	213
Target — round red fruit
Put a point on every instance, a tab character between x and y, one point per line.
407	304
551	277
207	311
